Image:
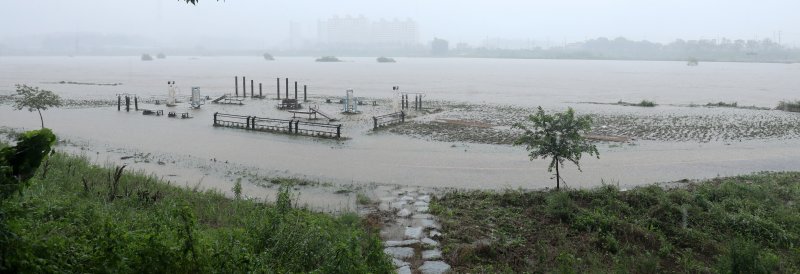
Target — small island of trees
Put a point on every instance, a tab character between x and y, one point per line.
383	59
328	59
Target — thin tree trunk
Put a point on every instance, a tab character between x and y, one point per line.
558	177
40	117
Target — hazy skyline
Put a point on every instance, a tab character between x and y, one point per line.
260	24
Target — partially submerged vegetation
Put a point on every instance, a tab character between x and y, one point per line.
328	59
746	224
82	218
383	59
643	103
723	104
791	106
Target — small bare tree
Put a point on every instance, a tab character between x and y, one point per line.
37	99
557	136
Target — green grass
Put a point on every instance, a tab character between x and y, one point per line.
747	224
80	219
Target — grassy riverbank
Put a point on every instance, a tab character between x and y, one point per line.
746	224
82	218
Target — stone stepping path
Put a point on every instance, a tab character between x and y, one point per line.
410	234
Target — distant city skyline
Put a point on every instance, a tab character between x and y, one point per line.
363	32
261	24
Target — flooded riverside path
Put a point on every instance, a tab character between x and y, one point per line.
386	158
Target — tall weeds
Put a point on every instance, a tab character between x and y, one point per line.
88	219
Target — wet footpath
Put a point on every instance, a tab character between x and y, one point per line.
410	234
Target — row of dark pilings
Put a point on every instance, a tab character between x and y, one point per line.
127	102
260	91
417	101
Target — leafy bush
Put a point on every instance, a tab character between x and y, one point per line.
18	163
646	103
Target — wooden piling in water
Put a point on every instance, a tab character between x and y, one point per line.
259	91
244	87
287	87
251	88
127	103
305	93
295	90
136	103
236	82
279	88
119	102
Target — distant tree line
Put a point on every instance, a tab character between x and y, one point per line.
621	48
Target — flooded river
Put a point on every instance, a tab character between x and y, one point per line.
196	147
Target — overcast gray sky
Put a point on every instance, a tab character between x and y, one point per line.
267	22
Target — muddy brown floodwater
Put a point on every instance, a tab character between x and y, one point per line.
460	140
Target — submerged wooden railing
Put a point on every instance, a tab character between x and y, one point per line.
388	119
290	126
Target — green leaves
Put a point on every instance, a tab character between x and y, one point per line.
19	163
34	98
557	136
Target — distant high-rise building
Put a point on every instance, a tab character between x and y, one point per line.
295	35
439	47
359	32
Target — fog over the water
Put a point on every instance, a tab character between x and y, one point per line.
256	24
